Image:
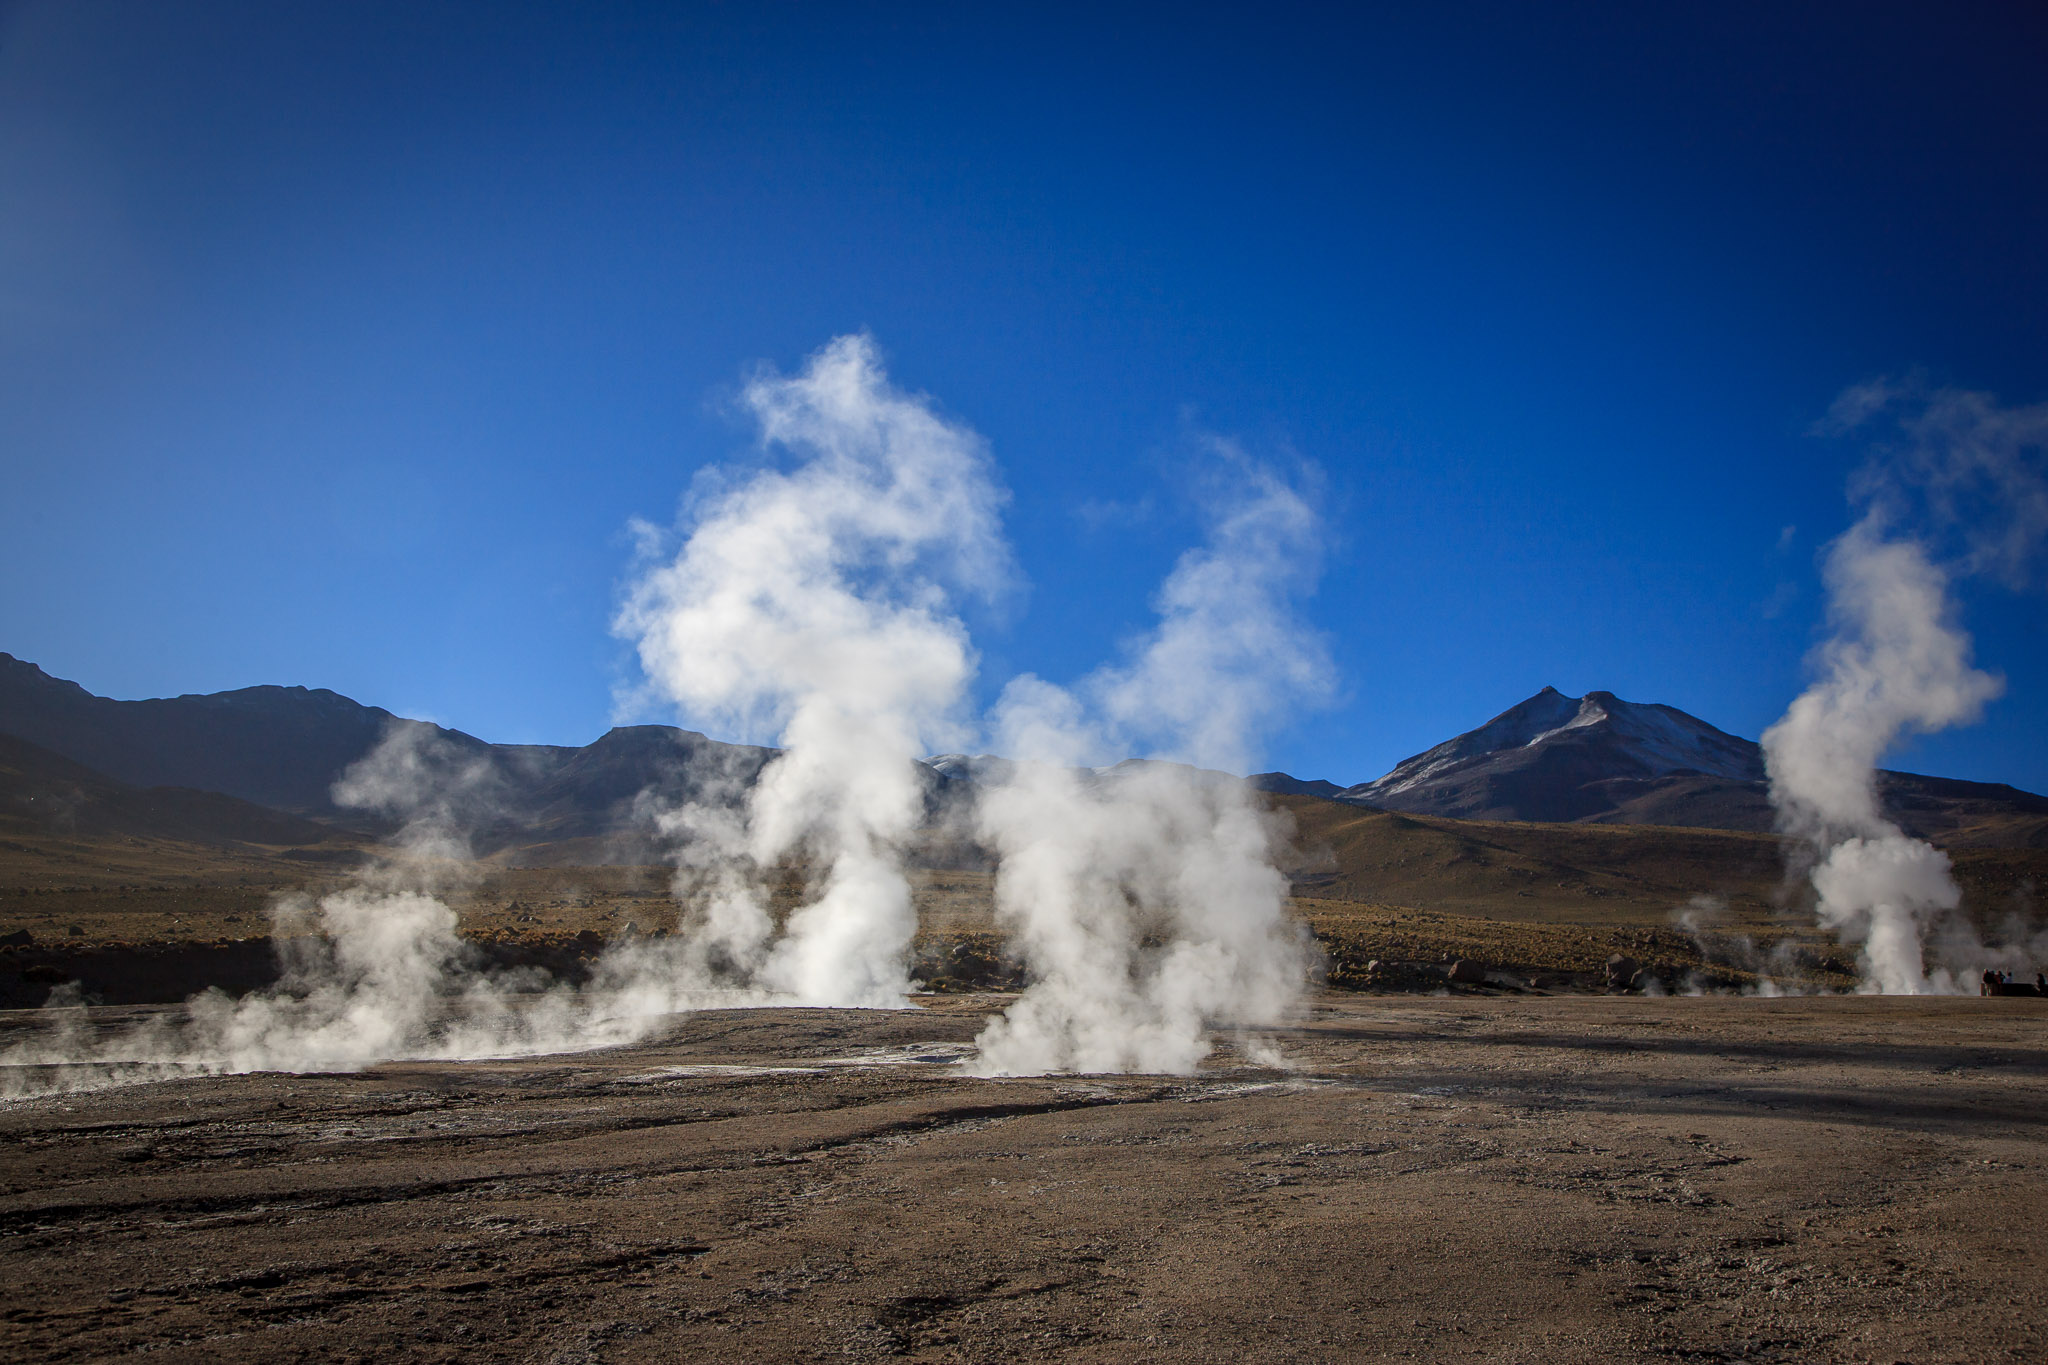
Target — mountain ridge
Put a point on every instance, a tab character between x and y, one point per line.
45	793
1548	759
284	748
1554	759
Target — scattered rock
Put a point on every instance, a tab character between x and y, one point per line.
20	938
966	965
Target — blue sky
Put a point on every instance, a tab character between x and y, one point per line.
340	343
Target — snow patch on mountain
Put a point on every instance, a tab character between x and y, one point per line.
1639	740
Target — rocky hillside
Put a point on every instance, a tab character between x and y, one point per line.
1599	759
286	747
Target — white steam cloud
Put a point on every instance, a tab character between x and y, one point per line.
373	971
817	604
1145	899
1957	489
815	600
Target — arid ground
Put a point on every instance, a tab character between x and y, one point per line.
1522	1170
1516	1178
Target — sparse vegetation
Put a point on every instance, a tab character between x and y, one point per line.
1537	906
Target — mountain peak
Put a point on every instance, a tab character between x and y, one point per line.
1562	747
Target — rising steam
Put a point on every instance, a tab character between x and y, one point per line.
815	600
1145	899
373	971
816	604
1956	488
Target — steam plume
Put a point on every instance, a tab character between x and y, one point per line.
1145	899
815	601
1959	479
375	970
815	604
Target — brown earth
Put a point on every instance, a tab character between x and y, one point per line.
138	945
1529	904
1594	874
1525	1179
1517	1171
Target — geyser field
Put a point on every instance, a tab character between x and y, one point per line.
699	682
933	1026
1493	1172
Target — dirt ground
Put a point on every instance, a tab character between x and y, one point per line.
1509	1179
129	943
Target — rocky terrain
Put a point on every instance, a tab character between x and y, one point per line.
1436	1180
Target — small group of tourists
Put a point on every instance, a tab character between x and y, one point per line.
2001	983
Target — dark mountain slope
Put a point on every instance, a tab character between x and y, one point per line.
609	789
1284	785
42	793
1546	758
1965	814
277	746
285	747
1553	758
1599	759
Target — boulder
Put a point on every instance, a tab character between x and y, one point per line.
1622	972
1466	972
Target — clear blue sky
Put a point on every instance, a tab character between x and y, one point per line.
339	342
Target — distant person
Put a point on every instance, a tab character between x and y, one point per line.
1989	985
2040	983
